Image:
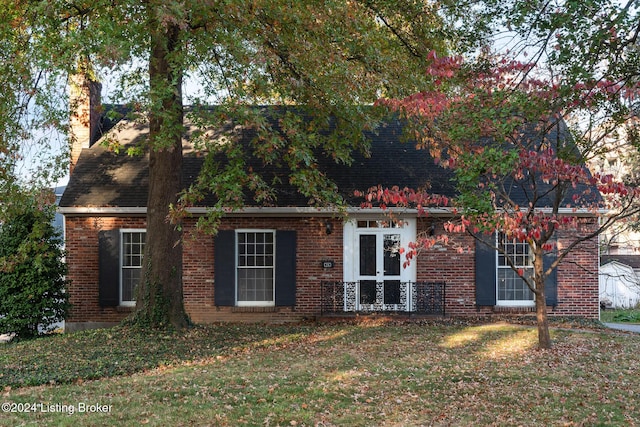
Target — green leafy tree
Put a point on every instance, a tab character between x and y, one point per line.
519	169
580	81
328	58
32	272
30	101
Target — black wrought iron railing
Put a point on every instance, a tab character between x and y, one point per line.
387	296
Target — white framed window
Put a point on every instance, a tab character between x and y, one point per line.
255	262
377	223
132	243
511	288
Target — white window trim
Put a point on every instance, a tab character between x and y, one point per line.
498	267
275	249
121	262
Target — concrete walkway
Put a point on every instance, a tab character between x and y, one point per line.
628	327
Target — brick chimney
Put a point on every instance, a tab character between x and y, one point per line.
85	109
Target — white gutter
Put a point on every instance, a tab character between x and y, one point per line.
295	211
108	210
248	211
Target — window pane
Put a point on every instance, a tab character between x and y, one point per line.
255	267
518	252
130	280
255	284
132	258
368	255
132	249
391	255
511	287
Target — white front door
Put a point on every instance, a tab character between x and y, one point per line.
378	279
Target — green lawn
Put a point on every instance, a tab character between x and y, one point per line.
366	374
631	315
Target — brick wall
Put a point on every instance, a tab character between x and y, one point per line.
313	246
453	264
578	291
81	234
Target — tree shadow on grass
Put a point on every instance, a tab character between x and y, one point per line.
121	350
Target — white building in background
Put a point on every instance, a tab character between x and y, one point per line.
621	239
619	275
620	159
619	281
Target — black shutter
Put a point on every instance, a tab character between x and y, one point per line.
485	271
109	266
285	268
225	268
551	281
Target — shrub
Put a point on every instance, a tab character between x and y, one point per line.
32	273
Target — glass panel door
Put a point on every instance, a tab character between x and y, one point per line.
368	269
380	270
392	269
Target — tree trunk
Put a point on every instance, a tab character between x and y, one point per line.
544	338
160	299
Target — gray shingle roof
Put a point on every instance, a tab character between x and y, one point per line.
103	178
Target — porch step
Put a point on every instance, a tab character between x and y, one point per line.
336	317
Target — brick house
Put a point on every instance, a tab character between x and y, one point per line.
290	261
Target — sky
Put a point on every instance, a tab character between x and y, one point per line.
33	152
